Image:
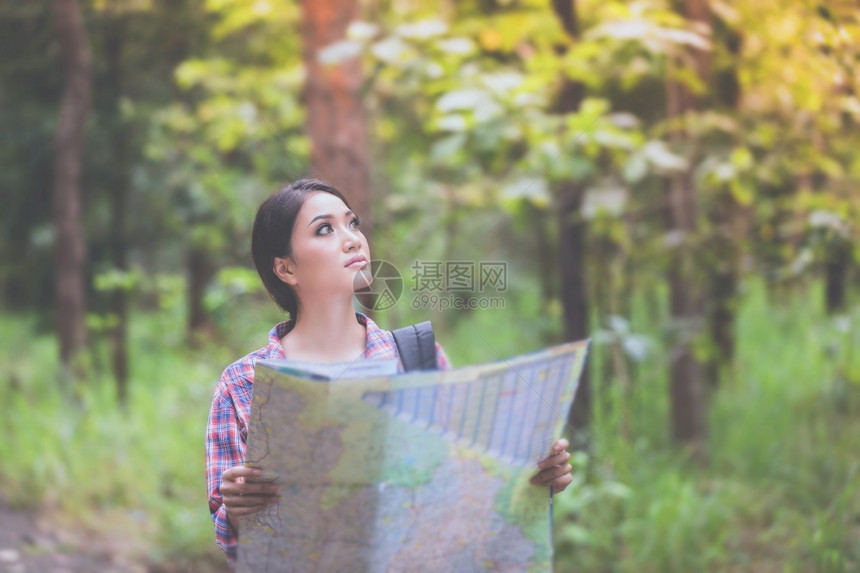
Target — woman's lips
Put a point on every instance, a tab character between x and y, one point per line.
358	263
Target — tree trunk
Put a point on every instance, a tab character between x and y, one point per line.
70	247
836	269
574	298
726	217
115	27
336	121
201	269
722	293
572	232
686	373
538	215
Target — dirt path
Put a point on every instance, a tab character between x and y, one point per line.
28	545
32	543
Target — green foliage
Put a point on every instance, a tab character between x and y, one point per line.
469	149
782	482
779	491
117	472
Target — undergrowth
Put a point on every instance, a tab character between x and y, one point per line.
779	491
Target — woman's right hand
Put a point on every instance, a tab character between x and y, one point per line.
242	495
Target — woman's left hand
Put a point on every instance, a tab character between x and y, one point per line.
555	471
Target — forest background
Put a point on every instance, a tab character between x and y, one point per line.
672	179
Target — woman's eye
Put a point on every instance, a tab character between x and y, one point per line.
326	228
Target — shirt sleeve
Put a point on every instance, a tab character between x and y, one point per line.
442	362
224	449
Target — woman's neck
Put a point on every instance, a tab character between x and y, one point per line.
325	331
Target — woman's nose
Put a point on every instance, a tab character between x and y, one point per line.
350	239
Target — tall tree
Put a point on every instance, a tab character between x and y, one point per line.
68	142
839	256
837	265
727	219
336	121
572	230
686	372
115	27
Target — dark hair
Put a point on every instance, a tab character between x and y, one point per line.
273	231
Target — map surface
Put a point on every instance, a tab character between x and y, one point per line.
422	471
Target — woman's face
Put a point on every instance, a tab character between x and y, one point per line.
325	239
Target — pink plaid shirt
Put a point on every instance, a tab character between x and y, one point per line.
227	430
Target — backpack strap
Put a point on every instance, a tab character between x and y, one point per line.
416	345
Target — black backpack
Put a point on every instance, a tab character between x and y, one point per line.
416	346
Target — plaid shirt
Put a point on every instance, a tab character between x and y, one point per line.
227	430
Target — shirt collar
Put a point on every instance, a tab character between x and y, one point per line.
378	343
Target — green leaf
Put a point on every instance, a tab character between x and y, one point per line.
741	158
659	155
423	30
535	189
338	52
470	99
447	147
391	50
360	31
456	46
635	168
741	192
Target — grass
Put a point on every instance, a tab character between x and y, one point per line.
132	478
781	488
780	491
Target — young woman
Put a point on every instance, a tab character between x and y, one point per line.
310	254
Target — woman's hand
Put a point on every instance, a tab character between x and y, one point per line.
555	471
243	497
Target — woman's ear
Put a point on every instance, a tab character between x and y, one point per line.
284	268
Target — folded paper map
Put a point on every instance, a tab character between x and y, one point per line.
423	471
